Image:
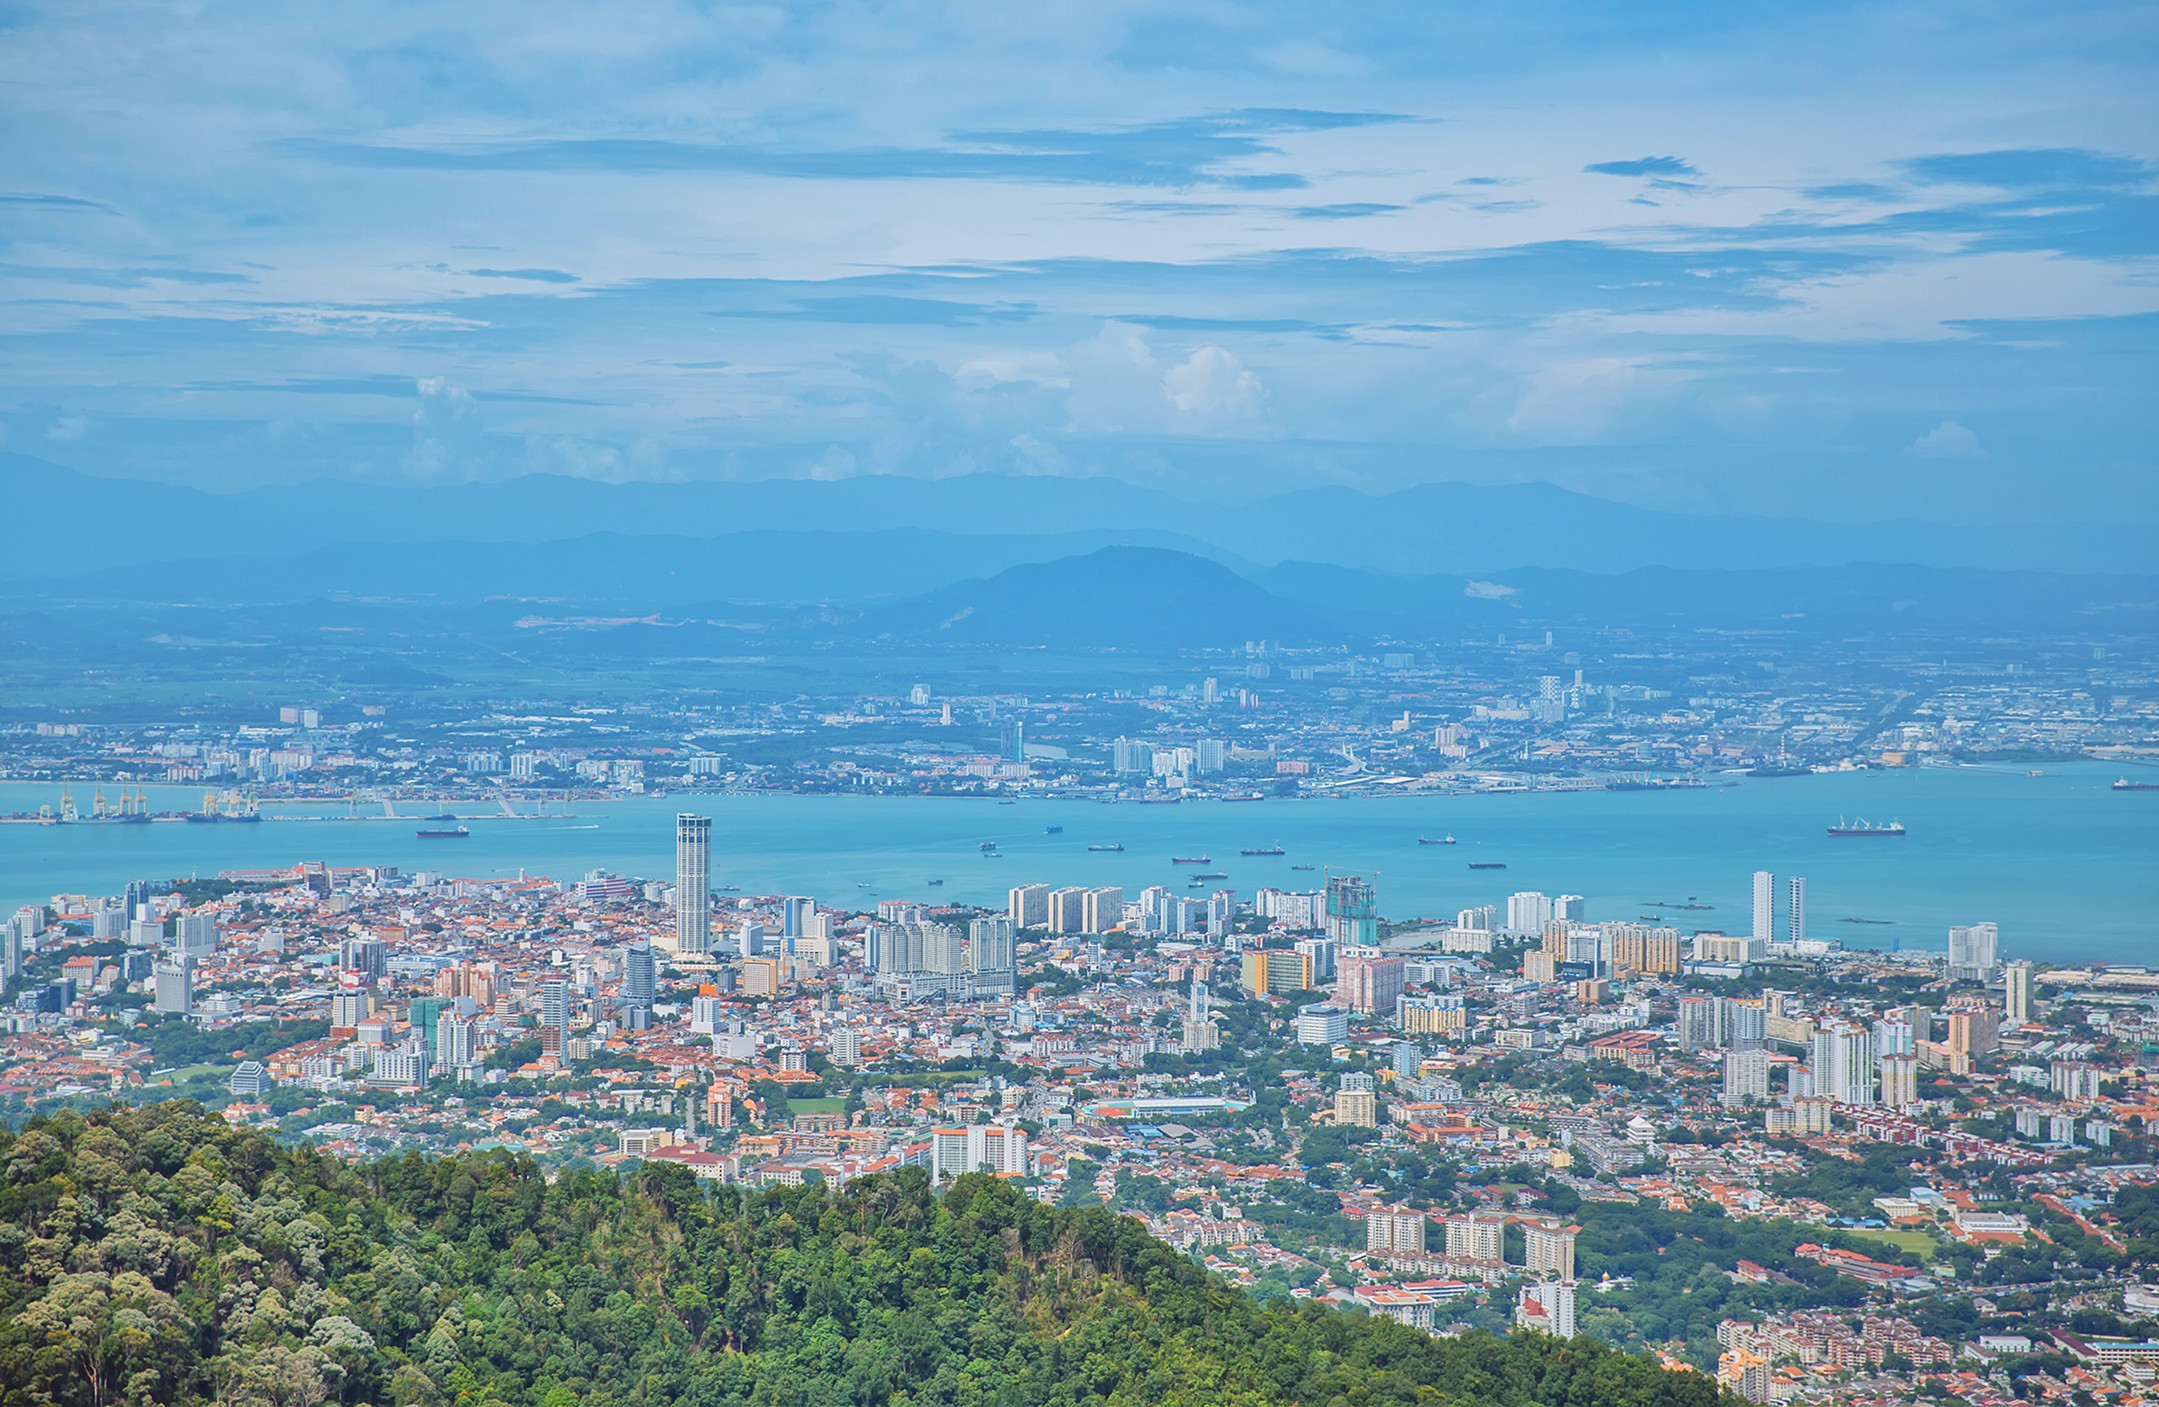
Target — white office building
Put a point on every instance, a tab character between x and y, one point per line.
1321	1024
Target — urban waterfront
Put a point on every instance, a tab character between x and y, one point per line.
2061	861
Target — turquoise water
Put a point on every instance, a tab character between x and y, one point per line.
2067	867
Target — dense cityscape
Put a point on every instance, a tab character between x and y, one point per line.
1807	1171
1536	714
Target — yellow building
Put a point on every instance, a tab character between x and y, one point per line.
1276	970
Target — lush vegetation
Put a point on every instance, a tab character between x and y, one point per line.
160	1256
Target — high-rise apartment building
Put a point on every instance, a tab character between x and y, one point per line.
554	1016
1765	907
1101	910
1355	1105
1028	906
1369	984
1477	1236
1972	952
1067	910
1395	1231
1548	1249
1699	1024
1547	1305
990	945
1746	1076
1795	909
1528	911
1844	1063
2016	993
1900	1080
693	883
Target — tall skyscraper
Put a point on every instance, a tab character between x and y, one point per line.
640	977
554	1016
693	883
1971	952
1765	906
2016	993
795	911
1795	908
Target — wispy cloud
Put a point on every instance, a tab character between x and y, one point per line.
1643	166
1226	249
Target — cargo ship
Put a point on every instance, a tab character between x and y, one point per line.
1265	850
1443	840
2124	784
1488	864
1106	849
458	833
1191	859
1861	827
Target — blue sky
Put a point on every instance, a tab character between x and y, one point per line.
1850	261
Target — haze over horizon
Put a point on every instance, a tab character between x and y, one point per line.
1861	263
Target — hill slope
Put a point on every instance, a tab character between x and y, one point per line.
161	1256
1131	597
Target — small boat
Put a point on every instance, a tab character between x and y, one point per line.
1876	922
987	845
1211	874
1304	867
1191	859
1427	840
1106	849
1488	864
1053	830
1275	849
459	833
936	883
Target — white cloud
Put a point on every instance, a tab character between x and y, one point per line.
1213	385
1947	440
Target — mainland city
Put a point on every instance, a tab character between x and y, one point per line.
925	705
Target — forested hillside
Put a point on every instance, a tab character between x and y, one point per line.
159	1256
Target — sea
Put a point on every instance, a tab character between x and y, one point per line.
2065	865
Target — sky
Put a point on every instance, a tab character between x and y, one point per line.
1845	261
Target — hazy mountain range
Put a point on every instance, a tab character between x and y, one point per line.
984	561
86	525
